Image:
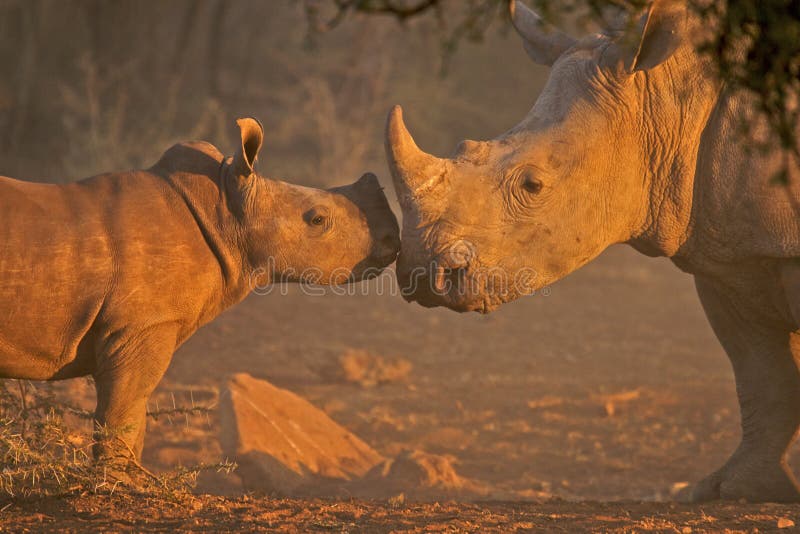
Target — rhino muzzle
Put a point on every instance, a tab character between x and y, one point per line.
452	278
368	196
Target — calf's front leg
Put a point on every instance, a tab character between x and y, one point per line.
127	373
763	351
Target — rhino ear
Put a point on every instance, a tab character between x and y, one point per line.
661	31
252	134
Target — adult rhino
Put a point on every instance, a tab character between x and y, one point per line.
107	276
632	140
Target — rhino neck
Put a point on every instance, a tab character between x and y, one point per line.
203	192
678	103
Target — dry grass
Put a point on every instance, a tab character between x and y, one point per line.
44	452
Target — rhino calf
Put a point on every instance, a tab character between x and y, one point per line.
107	276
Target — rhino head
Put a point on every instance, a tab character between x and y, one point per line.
292	233
502	218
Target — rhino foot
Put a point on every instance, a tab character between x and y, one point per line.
124	472
751	481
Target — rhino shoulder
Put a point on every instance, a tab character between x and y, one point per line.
193	157
737	203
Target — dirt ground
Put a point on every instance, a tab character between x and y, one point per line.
249	514
592	406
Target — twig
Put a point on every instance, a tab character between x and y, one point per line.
155	414
136	462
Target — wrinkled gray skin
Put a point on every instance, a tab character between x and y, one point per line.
109	275
631	141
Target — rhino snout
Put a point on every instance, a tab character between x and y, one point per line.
368	197
386	247
368	194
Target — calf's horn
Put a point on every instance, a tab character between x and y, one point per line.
414	172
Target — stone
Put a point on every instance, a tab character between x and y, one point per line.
286	446
418	475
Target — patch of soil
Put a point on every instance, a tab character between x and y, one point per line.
261	514
609	387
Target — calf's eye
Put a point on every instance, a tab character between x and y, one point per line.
317	216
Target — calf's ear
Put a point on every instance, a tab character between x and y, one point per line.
658	35
252	134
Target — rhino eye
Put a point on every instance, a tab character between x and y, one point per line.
317	217
531	184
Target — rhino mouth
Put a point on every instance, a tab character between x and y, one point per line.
461	303
384	260
362	274
377	262
463	283
458	288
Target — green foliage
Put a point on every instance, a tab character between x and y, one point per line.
756	47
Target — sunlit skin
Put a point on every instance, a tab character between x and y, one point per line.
107	276
632	140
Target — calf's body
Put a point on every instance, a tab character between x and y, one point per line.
87	265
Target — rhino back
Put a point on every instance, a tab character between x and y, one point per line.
82	262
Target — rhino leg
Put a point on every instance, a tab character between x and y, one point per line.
764	355
126	376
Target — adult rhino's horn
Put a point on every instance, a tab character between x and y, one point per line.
414	172
543	43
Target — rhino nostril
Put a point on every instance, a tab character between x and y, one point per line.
446	279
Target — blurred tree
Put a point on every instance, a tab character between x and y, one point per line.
755	44
91	85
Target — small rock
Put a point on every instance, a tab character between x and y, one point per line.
420	469
397	501
679	490
368	370
286	446
785	522
419	475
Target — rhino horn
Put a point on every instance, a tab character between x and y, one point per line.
414	172
543	43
